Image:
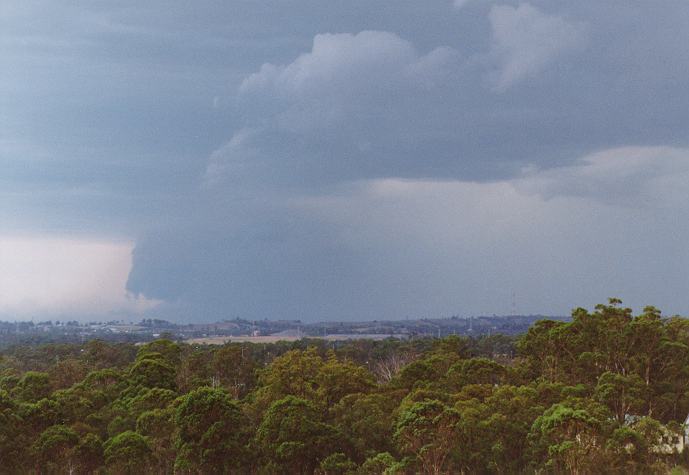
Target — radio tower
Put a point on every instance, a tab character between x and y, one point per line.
514	303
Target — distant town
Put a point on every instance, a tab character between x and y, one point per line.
266	331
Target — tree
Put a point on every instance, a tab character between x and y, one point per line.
337	464
511	411
128	453
624	395
568	437
641	447
99	354
210	425
336	379
292	374
39	416
33	386
474	445
194	370
12	434
381	463
366	420
67	372
170	351
153	372
234	367
475	371
428	371
427	431
153	398
293	436
54	449
647	333
453	344
159	427
538	347
386	368
88	454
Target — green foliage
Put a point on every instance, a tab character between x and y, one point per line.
622	394
88	454
427	430
210	426
33	386
11	433
54	448
366	421
293	373
235	368
152	371
337	464
336	379
293	435
475	371
158	426
128	453
381	463
603	393
568	436
154	398
169	351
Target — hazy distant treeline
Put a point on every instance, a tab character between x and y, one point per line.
605	393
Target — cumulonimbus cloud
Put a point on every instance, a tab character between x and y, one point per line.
348	73
526	40
389	247
346	63
343	197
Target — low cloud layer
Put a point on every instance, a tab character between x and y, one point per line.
387	248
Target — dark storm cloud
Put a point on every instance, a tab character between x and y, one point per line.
353	159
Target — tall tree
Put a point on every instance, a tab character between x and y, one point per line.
427	430
293	436
211	435
128	453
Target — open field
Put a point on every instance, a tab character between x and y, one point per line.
221	340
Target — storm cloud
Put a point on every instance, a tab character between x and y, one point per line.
358	160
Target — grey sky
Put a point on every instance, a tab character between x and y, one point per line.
342	160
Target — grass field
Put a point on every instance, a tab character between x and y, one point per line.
220	340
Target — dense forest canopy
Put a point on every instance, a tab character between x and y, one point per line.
607	392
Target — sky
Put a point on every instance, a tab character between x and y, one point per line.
327	160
